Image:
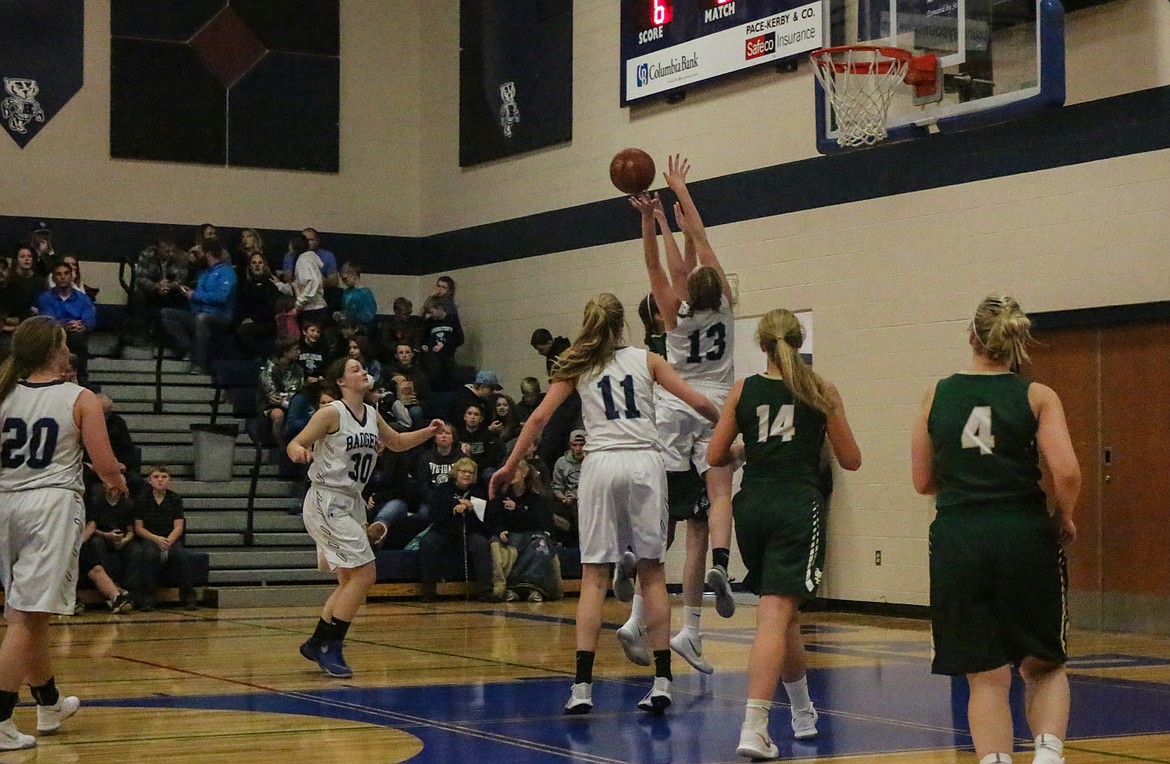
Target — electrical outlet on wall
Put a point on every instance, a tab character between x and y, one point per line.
877	557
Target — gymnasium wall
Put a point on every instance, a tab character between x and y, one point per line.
891	280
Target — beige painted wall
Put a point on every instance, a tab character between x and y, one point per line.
891	282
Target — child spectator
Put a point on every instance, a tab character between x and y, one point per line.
566	476
430	471
302	406
482	392
359	350
285	318
159	524
443	333
408	380
476	442
402	326
359	308
530	398
314	353
280	379
458	528
109	527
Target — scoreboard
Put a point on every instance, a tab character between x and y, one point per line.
669	44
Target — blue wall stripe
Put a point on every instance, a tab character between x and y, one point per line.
1128	124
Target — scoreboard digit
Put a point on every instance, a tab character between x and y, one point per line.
670	44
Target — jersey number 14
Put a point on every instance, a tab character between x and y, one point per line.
783	426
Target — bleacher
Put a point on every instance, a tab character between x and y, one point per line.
274	560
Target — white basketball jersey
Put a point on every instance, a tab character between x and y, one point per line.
345	459
40	445
701	346
617	404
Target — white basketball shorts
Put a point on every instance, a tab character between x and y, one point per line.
621	502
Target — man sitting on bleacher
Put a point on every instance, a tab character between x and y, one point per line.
211	303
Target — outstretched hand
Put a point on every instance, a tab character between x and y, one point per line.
677	168
500	480
299	453
647	204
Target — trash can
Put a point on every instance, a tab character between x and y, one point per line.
215	450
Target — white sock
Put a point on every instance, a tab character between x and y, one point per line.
636	617
691	618
798	694
996	758
1049	748
756	714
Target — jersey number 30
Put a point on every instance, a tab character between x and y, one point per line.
362	465
41	440
783	427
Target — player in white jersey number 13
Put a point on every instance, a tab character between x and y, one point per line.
622	493
44	422
342	442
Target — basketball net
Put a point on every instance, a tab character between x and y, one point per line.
859	82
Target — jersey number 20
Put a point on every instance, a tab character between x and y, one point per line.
41	440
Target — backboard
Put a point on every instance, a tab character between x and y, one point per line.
1001	59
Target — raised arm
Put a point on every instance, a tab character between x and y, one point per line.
1056	447
665	375
650	206
687	214
557	393
404	441
726	429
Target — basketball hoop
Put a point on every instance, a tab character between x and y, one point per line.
859	81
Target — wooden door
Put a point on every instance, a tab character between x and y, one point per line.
1114	382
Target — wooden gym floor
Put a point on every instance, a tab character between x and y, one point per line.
467	682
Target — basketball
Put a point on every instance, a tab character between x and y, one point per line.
632	171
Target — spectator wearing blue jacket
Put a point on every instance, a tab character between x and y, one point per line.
74	310
210	302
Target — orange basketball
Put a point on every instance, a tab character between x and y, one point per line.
632	171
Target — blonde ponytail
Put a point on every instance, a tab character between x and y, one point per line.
780	335
33	344
601	330
1002	329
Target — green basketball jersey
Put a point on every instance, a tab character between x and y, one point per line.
656	343
983	434
782	436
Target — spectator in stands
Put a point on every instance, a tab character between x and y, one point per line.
359	308
195	260
359	348
25	277
566	477
159	524
304	404
478	443
251	243
329	270
280	379
256	308
287	325
122	442
314	353
530	398
159	272
482	392
548	346
42	245
13	309
109	528
443	333
445	293
90	291
211	303
206	232
521	510
505	424
431	470
408	380
308	283
74	311
402	326
457	527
